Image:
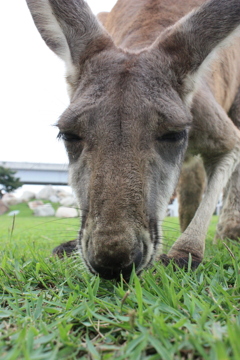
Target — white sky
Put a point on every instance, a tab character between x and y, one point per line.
33	90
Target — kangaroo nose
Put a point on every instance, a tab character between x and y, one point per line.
111	268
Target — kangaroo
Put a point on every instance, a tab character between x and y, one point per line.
156	81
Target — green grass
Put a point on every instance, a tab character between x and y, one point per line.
53	309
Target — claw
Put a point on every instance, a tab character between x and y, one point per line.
181	262
67	248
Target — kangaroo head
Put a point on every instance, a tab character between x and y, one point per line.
126	128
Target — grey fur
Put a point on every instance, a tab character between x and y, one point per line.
133	114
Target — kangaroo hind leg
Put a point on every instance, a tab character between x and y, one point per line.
190	189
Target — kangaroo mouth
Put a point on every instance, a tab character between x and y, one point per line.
115	272
119	258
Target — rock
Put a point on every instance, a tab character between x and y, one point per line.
9	199
54	199
62	193
66	212
3	207
27	196
46	192
34	204
14	212
44	210
69	201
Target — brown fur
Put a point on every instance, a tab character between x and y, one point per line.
190	189
136	24
143	92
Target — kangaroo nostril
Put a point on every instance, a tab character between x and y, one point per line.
111	268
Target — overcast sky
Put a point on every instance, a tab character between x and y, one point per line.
33	90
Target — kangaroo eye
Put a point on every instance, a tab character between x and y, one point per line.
68	137
173	136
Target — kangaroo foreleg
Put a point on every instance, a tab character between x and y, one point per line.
192	241
229	219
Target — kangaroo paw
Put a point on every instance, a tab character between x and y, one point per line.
68	248
228	232
181	261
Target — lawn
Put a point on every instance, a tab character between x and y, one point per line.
53	309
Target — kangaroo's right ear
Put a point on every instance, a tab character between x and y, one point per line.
71	30
192	43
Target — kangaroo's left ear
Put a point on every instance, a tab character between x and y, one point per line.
190	45
71	30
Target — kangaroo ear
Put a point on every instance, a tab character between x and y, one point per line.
71	30
192	43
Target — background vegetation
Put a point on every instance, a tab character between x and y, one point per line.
8	182
53	309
